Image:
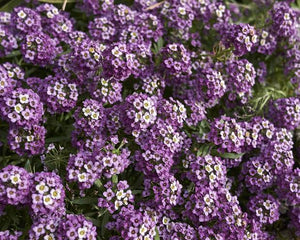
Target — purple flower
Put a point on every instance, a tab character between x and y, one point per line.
22	107
47	195
15	185
76	227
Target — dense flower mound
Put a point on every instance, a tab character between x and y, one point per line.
150	119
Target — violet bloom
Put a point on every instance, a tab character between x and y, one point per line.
241	79
285	112
242	37
47	195
39	48
44	228
26	20
107	91
264	208
116	197
27	140
283	20
58	93
132	224
22	107
76	227
15	185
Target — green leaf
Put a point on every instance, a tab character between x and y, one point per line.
115	178
160	43
157	235
98	183
13	54
104	222
85	200
204	149
28	166
8	7
96	222
228	155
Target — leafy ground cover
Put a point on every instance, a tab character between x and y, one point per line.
174	120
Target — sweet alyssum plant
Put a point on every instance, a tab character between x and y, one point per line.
147	120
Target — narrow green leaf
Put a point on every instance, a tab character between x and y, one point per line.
28	166
8	7
104	222
85	200
96	222
102	212
204	149
157	235
115	178
98	183
228	155
13	54
160	43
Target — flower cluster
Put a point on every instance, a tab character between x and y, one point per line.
265	208
7	41
89	121
167	191
235	136
206	171
283	20
257	173
102	29
141	112
227	133
26	20
47	194
285	112
289	187
241	78
7	82
76	227
27	140
115	197
113	161
58	93
134	224
22	108
55	23
39	48
44	228
267	43
15	185
83	169
107	91
242	37
212	84
176	59
7	235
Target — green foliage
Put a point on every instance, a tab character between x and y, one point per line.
10	5
85	200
